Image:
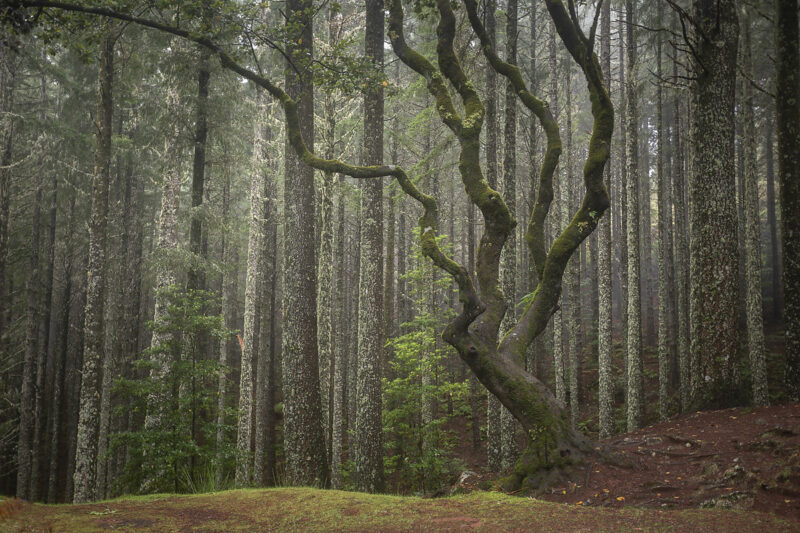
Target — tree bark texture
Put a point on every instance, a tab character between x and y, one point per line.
752	252
161	357
369	427
88	418
788	127
604	340
508	259
304	440
252	309
635	396
713	247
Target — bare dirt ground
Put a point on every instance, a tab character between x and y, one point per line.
741	458
744	458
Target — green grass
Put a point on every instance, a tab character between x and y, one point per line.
311	510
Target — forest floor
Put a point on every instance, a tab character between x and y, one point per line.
741	458
731	470
301	509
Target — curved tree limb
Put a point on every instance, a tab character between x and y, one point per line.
595	200
535	231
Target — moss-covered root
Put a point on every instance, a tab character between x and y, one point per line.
547	461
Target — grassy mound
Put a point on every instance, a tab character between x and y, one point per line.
302	509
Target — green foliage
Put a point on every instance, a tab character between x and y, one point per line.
179	454
419	449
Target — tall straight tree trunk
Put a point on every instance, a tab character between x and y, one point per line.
25	449
229	290
402	257
196	278
115	298
664	248
635	394
252	306
38	470
755	321
623	192
133	317
508	260
573	278
274	354
325	259
681	250
60	363
558	216
88	418
492	126
161	358
369	427
604	344
304	439
788	125
32	378
646	244
713	253
7	72
389	269
494	445
74	383
339	415
352	357
772	225
536	353
265	379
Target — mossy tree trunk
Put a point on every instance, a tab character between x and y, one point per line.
88	418
339	399
713	248
635	394
604	345
27	400
623	200
166	276
368	445
253	296
196	277
666	344
494	430
508	259
752	252
229	290
304	440
772	225
681	249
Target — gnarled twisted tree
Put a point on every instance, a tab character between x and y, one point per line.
499	365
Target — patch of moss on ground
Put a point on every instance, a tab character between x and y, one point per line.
312	510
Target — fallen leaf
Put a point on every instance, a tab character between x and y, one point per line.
620	498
